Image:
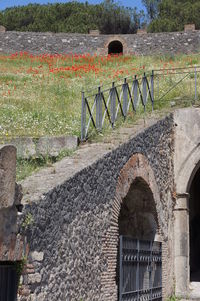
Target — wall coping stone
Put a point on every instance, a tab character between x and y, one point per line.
28	147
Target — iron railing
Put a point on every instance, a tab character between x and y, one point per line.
140	270
104	106
174	81
8	282
111	102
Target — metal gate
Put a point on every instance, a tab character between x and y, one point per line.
8	283
140	270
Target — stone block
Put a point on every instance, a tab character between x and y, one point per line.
34	278
7	175
2	28
37	256
189	27
94	32
52	146
25	147
141	31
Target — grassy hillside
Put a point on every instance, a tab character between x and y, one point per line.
41	95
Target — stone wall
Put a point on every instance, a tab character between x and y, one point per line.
152	43
12	244
73	239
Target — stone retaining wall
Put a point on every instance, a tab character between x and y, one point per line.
72	248
28	147
146	44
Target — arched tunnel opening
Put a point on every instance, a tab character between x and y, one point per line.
194	222
115	47
138	230
137	217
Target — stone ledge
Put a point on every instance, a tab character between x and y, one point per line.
28	147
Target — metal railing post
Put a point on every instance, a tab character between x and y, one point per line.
138	270
135	93
150	271
152	89
158	89
83	117
120	267
99	110
144	91
113	104
195	71
125	98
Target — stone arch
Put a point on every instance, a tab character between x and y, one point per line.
115	47
184	176
116	41
187	170
136	170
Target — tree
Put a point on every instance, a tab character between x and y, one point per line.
174	14
152	8
108	16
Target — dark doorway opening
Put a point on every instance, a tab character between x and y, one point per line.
194	220
139	257
115	47
8	281
137	217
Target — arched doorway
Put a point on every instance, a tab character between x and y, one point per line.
137	217
115	47
136	203
140	259
194	227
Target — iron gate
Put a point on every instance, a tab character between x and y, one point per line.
8	283
140	270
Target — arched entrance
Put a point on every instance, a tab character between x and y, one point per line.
115	47
140	257
186	174
194	226
137	217
134	222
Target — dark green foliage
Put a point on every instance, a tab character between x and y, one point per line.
174	14
151	7
72	17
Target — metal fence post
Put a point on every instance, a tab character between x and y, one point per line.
195	98
120	267
125	98
158	86
83	117
152	89
144	90
150	271
135	93
99	110
113	104
138	270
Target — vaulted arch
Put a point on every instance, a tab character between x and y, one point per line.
134	213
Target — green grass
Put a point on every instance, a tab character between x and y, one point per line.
25	167
41	95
